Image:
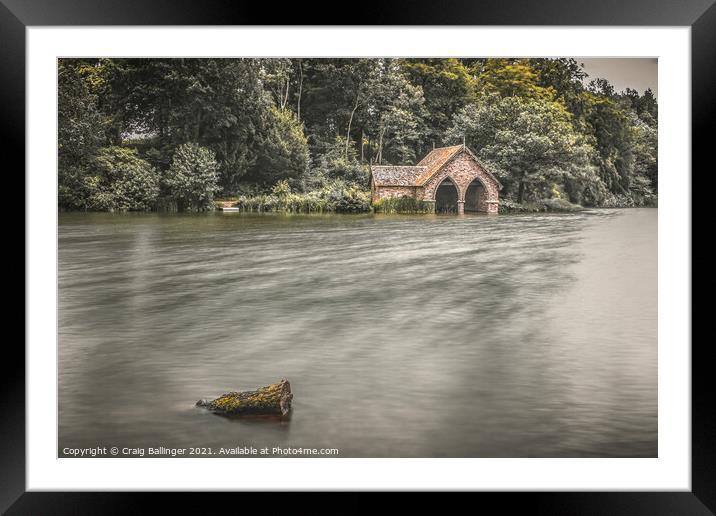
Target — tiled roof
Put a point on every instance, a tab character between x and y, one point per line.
390	175
435	160
420	174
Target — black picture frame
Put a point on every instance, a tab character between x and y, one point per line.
700	15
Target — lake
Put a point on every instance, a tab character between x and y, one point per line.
402	336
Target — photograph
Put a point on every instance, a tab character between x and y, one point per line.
357	257
419	250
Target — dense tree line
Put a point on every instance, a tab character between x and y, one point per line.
138	134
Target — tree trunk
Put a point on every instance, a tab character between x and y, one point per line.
273	399
521	191
350	122
300	89
380	145
362	137
285	97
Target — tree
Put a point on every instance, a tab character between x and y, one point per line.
447	86
332	92
316	122
217	103
531	144
566	78
121	181
645	137
276	75
334	166
610	128
281	149
647	104
80	123
192	179
80	133
512	78
393	114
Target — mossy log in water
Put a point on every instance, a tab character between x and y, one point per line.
272	399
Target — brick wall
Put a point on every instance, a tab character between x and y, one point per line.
463	170
383	192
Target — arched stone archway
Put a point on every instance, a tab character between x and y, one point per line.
463	170
447	196
475	196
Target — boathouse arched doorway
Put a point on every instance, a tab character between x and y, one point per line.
475	197
446	197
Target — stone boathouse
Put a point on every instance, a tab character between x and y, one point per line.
450	177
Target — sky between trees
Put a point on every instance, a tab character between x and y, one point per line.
636	73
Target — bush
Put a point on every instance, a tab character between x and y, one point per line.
403	204
559	204
554	204
334	166
72	187
259	203
193	177
351	200
282	149
121	181
509	206
337	198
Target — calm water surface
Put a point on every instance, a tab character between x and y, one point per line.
429	336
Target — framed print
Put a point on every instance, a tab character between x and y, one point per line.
430	251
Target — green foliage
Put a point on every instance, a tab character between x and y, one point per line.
447	85
120	181
551	205
282	190
512	78
220	104
334	164
317	125
349	200
510	206
646	153
393	115
80	123
192	178
531	144
81	132
335	197
558	204
403	204
282	150
74	186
